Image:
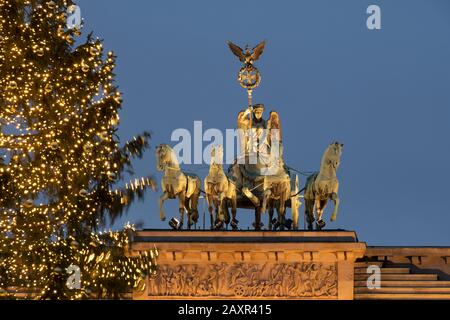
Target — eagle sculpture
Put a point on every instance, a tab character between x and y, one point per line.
247	56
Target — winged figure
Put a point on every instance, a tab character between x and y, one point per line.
274	123
275	137
246	56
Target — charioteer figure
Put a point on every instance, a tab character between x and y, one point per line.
258	135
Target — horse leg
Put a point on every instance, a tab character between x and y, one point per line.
257	218
221	207
181	207
210	200
226	211
187	206
270	217
319	212
163	198
320	207
216	212
193	205
220	215
309	213
266	197
282	213
336	200
234	221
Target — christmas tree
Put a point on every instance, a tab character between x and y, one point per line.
61	161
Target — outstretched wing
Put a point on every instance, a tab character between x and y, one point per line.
242	121
258	50
238	52
274	124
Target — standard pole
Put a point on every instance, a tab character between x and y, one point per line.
250	105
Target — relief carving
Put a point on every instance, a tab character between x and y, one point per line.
247	280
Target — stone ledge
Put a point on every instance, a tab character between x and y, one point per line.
246	236
190	238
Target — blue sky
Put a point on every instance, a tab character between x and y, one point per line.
384	94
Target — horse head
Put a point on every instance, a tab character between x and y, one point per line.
332	156
217	155
164	157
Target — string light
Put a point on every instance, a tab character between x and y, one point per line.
59	160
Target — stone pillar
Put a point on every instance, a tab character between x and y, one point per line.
346	267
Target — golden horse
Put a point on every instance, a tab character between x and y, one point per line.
323	186
175	183
277	191
220	192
